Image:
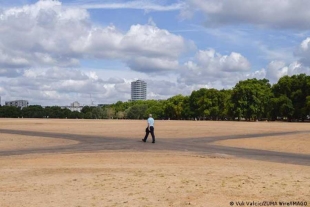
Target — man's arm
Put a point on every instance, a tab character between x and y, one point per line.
148	125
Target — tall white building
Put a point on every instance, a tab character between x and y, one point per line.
17	103
138	90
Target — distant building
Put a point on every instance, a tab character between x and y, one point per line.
17	103
75	106
138	90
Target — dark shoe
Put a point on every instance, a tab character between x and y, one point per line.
143	140
153	142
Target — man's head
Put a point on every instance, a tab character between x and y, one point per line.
150	115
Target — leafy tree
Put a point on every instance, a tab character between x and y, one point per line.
295	88
10	112
209	103
88	115
76	115
86	109
282	107
224	103
110	112
137	111
156	109
195	100
250	99
97	113
308	105
212	98
173	107
186	112
33	111
120	115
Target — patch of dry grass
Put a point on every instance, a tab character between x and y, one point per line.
146	179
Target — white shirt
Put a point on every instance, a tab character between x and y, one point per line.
150	121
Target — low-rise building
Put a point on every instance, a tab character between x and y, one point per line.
17	103
75	106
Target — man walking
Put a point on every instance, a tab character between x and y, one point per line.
149	128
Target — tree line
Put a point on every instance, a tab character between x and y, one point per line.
251	99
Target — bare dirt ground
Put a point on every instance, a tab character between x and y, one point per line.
145	174
18	142
286	143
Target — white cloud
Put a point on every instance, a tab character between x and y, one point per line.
40	34
13	72
266	13
10	61
151	41
154	65
123	88
305	44
276	69
303	52
61	86
58	86
48	34
215	62
40	43
209	67
258	74
143	5
164	89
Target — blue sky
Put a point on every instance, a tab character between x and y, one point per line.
58	52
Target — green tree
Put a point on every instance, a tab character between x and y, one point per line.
209	103
213	99
195	100
186	112
86	109
10	112
296	88
156	109
33	111
282	107
137	111
87	112
250	99
97	113
308	106
76	115
224	103
173	107
110	112
120	115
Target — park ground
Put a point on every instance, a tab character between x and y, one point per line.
147	175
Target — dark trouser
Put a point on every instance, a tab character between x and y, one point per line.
147	131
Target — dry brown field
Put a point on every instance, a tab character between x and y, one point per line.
153	177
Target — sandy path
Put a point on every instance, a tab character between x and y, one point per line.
133	129
136	128
89	143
